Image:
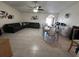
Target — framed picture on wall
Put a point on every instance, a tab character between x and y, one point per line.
3	14
10	16
67	15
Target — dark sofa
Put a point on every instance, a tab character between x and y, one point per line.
14	27
30	25
0	32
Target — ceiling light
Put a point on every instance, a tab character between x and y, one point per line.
35	9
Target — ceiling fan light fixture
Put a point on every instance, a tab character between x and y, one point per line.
35	10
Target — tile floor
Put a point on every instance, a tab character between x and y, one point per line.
30	43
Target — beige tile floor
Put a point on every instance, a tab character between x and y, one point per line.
30	43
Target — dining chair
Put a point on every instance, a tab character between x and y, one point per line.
75	39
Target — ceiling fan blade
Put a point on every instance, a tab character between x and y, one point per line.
41	9
29	6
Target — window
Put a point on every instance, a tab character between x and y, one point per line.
50	20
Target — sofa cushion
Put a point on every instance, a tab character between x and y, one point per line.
10	28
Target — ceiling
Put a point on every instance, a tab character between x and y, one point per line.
48	6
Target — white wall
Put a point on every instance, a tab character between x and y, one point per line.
19	17
10	10
26	17
74	15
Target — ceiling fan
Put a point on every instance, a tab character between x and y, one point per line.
37	8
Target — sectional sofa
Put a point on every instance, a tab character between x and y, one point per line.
14	27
